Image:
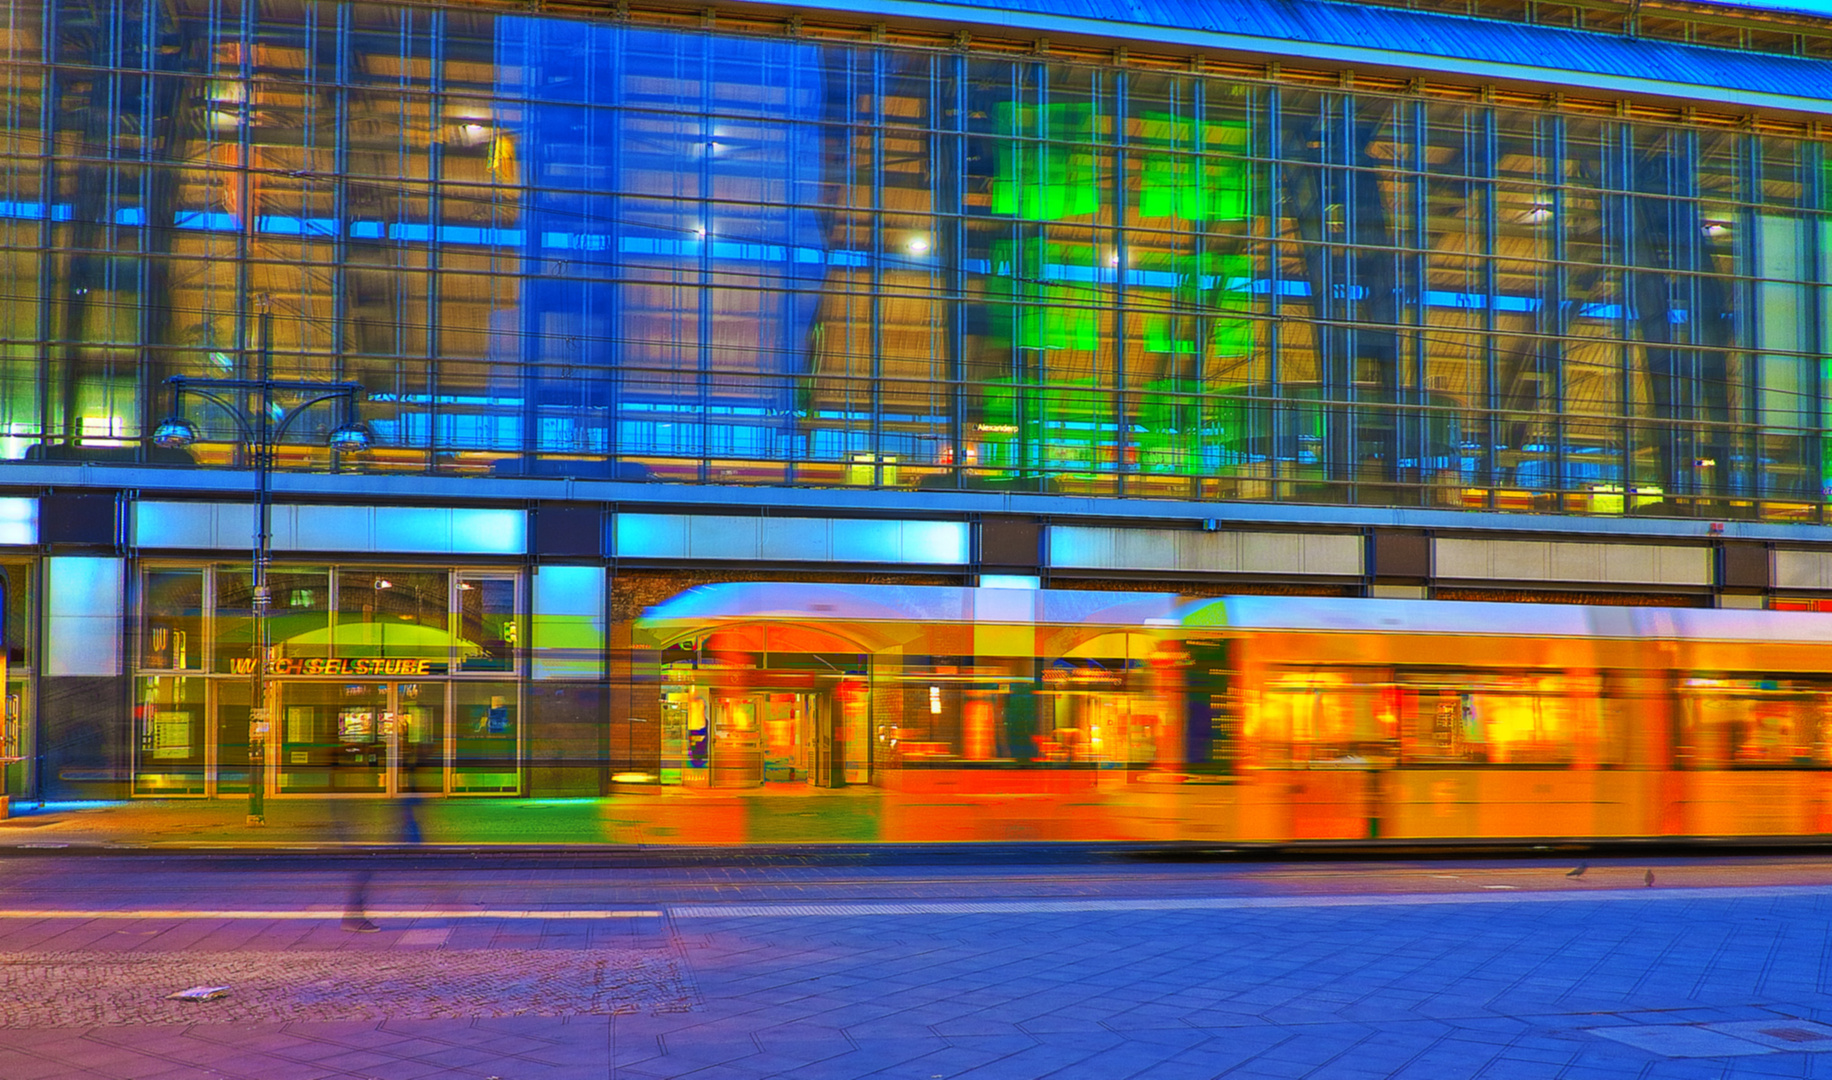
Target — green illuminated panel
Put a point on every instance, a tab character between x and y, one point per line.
1193	187
1044	314
1046	180
1051	297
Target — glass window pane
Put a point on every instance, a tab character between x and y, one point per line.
393	614
172	624
298	618
487	729
169	752
488	632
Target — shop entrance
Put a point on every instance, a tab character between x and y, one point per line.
336	738
748	739
784	709
754	738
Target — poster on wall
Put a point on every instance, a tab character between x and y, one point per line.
299	721
171	735
355	725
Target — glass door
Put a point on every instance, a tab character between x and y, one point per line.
332	739
419	739
737	751
359	739
788	732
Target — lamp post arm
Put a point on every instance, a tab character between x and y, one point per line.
241	422
286	419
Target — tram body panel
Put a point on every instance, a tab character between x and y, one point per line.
1727	803
1002	817
1448	804
1586	790
1258	719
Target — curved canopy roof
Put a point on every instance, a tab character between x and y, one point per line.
352	638
1372	35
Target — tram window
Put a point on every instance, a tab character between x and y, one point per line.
1321	718
1754	724
1488	718
1210	712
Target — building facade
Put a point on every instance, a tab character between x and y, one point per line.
1507	300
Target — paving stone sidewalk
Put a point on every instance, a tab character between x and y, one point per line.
1141	980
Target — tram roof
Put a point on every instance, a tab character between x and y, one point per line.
1466	618
771	600
767	601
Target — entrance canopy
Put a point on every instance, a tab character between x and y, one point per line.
380	638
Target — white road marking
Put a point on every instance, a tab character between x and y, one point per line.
1229	903
959	907
319	913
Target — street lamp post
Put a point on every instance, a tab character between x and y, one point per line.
261	434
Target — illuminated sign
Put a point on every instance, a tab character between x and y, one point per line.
315	666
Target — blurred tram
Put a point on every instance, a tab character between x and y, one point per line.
943	714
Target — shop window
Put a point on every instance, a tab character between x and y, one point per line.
16	577
172	628
488	633
419	729
170	748
16	727
298	616
394	615
233	748
358	691
486	737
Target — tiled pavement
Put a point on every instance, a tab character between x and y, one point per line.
1436	971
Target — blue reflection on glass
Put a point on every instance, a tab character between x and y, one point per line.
640	220
83	627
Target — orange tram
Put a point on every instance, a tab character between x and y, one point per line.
808	712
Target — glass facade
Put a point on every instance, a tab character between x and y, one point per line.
549	247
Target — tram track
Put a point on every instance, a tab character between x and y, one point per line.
104	887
